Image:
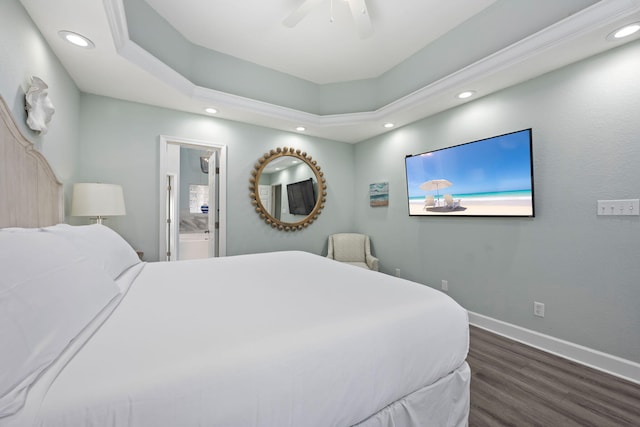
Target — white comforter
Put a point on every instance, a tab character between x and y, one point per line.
279	339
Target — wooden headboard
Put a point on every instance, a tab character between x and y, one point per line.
30	193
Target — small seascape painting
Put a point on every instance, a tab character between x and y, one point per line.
379	194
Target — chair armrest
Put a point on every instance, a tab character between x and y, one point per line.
330	249
372	262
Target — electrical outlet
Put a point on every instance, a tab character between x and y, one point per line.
445	285
397	272
538	309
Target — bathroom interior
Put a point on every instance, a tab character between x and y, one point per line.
194	230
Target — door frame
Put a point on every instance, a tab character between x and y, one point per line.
166	140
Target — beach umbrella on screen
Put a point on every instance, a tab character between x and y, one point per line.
435	184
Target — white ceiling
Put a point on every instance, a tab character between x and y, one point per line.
317	49
320	51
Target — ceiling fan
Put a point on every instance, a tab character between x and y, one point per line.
358	10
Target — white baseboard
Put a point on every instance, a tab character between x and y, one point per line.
608	363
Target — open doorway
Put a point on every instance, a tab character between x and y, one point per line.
192	189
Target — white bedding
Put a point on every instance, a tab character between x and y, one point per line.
278	339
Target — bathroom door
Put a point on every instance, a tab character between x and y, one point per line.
213	214
169	201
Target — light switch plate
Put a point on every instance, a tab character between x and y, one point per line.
619	207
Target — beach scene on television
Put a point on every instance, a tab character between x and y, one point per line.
490	177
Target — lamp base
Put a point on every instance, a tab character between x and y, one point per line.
99	219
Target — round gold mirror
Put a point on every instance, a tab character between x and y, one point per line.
287	189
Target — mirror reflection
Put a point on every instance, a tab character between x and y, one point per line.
288	189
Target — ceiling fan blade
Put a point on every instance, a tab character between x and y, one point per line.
361	17
299	13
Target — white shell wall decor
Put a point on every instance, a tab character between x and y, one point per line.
39	106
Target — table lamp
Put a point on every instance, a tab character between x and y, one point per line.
97	201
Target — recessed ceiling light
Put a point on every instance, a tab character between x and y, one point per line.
389	125
301	128
210	110
77	39
625	31
466	94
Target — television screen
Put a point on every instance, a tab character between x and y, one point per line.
302	197
489	177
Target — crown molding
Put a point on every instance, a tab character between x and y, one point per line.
117	22
413	106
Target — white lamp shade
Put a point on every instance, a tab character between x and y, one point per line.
99	200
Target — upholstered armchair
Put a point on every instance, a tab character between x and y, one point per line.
352	248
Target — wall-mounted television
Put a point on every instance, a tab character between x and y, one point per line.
302	197
488	177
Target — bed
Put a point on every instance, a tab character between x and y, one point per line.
92	336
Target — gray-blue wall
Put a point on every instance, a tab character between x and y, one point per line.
585	268
120	145
25	53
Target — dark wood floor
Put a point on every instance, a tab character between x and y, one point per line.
516	385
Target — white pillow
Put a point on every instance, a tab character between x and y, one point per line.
17	230
49	292
104	246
